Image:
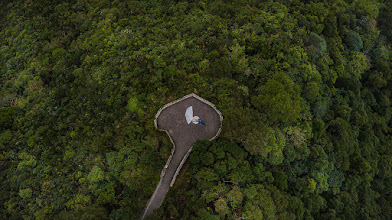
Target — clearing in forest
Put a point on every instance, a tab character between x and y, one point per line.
183	133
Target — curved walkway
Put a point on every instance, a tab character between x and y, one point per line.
171	118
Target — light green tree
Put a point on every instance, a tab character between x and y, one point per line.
279	99
221	207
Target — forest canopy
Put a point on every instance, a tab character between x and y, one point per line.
304	88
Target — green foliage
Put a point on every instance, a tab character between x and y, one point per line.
267	142
280	180
384	20
25	193
304	88
133	106
78	202
317	45
235	198
96	175
221	207
279	99
353	41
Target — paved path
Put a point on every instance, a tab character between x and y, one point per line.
183	135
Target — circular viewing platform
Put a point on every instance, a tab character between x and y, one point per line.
171	118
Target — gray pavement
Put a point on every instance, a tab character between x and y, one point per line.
184	135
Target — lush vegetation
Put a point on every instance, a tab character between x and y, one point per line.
304	88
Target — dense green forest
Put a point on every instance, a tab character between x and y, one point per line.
304	88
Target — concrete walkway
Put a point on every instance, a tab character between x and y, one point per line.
171	118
